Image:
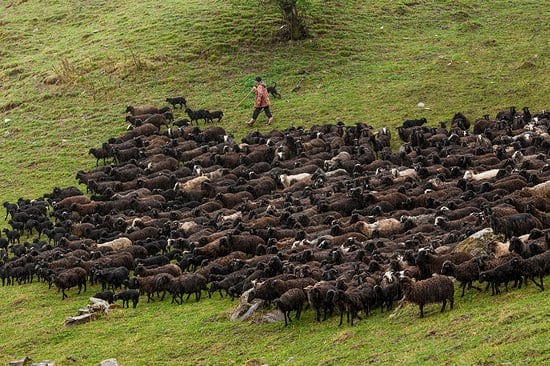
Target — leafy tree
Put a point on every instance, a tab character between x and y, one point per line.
294	25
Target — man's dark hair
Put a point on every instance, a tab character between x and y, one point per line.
258	78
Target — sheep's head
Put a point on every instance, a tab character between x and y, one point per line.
447	268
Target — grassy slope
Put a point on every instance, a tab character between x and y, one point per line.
368	61
509	329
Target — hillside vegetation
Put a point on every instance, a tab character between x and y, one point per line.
68	69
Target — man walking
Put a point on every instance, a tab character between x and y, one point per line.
261	102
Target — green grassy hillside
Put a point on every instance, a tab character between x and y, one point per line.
68	69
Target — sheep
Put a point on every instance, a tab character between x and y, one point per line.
102	153
173	269
114	277
537	265
137	120
215	114
317	298
486	175
384	228
523	249
461	121
514	225
350	301
541	190
12	236
266	290
465	272
105	295
293	299
192	184
230	200
116	244
507	116
430	263
187	283
503	273
159	260
146	109
289	179
174	101
159	120
227	282
246	243
69	278
126	296
388	290
146	129
439	288
198	114
147	285
116	259
414	122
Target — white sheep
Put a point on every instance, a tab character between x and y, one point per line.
488	174
288	180
401	175
384	227
541	189
192	184
116	244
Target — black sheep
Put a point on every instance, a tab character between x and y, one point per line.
215	114
105	295
525	250
317	298
465	272
198	114
514	225
503	273
350	301
388	290
127	296
174	101
537	265
103	153
291	300
114	277
414	122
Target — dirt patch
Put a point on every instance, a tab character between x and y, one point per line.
343	337
9	106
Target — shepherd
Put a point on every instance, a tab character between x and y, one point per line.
261	102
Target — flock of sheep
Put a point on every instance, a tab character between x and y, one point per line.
328	216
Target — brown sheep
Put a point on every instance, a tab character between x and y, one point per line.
431	290
146	109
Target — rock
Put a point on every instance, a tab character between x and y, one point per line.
243	307
251	310
79	319
274	316
109	362
24	361
477	243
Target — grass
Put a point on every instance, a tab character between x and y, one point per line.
481	330
68	70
